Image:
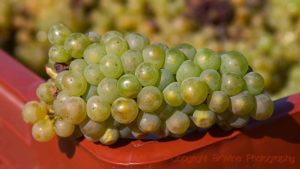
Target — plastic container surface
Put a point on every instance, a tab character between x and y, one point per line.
269	144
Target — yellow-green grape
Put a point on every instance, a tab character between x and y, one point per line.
172	94
74	83
187	69
78	65
254	82
75	44
92	129
110	34
162	45
207	59
58	80
97	109
218	102
43	130
166	78
94	53
242	104
188	50
111	66
131	59
92	91
154	54
124	110
178	123
234	62
129	86
73	110
137	41
186	108
264	107
33	111
164	111
46	92
232	84
147	74
193	91
57	34
149	99
174	58
93	37
93	74
58	102
108	90
203	117
110	136
116	46
63	128
58	54
238	121
148	122
212	78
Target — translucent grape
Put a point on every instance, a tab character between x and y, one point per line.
207	59
186	108
57	34
78	65
147	74
116	46
92	91
172	94
93	37
108	90
97	109
131	59
58	102
75	44
93	74
149	99
63	128
187	69
124	110
58	54
193	91
164	111
94	53
254	82
46	92
73	110
93	129
203	117
110	136
188	50
74	83
154	54
137	41
232	84
218	102
212	78
242	104
148	122
43	130
174	58
129	86
264	107
166	78
58	80
33	111
110	34
111	66
234	62
178	123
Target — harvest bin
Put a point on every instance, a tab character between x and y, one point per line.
269	144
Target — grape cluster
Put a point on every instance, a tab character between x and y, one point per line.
115	86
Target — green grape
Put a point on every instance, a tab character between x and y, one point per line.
188	50
74	83
97	109
234	62
187	69
93	74
73	110
172	94
166	78
137	41
212	78
46	92
110	136
242	104
254	82
129	86
148	122
93	37
203	117
111	66
147	74
264	107
149	99
232	84
178	123
164	111
58	102
94	53
92	91
162	45
33	111
57	34
116	46
58	54
111	34
174	58
43	130
186	108
78	65
207	59
92	129
193	91
75	44
58	80
131	59
238	121
124	110
154	54
108	90
63	128
218	102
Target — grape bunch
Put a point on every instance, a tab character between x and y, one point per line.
122	86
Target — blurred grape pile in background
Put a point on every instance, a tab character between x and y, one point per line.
266	31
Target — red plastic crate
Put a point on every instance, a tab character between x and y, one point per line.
269	144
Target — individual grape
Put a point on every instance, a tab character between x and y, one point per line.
74	83
58	54
166	78
63	128
188	50
193	91
116	46
172	94
108	90
254	82
46	92
164	111
111	66
148	122
149	99
58	80
93	74
207	59
43	130
91	91
203	117
136	41
94	53
57	34
93	37
264	107
73	110
131	59
212	78
232	84
162	45
78	65
58	102
33	111
174	58
110	136
154	54
238	121
110	34
242	104
234	62
124	110
75	44
97	109
178	123
147	74
129	86
187	69
218	102
93	129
